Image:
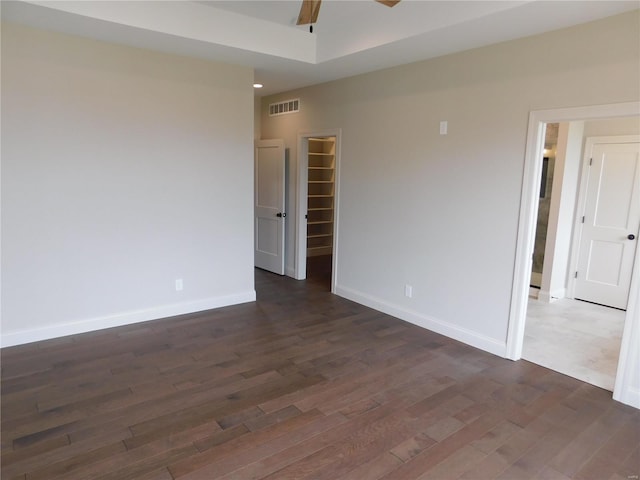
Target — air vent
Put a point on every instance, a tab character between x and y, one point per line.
282	108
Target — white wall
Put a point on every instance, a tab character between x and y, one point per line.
441	212
566	179
122	170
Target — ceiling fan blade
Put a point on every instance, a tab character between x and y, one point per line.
308	12
388	3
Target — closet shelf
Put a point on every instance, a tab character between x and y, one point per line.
320	195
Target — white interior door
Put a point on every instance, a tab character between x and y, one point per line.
610	222
269	210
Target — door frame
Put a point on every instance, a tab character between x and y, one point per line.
590	142
624	389
301	203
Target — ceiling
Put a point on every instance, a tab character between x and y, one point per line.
349	38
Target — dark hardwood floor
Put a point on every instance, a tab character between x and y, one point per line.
299	385
319	271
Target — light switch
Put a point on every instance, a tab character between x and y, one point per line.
443	127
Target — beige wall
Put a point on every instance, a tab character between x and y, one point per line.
122	171
612	126
257	106
441	212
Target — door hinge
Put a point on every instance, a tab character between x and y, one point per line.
590	161
576	275
583	219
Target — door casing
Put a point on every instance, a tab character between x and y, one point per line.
301	204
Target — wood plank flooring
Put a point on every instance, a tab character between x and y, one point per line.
299	385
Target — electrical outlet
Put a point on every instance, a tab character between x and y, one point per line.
444	127
179	284
408	291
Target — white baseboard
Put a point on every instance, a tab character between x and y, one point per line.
290	272
631	397
461	334
125	318
552	296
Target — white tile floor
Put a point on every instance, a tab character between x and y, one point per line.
576	338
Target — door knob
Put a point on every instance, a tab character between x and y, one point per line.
281	215
631	236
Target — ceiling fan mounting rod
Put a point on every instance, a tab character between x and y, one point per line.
310	8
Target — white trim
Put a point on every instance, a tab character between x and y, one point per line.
290	272
300	264
627	386
526	236
551	296
124	318
526	231
463	335
631	397
301	196
336	210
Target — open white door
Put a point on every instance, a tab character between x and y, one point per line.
269	210
610	220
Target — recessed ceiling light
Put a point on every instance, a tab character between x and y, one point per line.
257	85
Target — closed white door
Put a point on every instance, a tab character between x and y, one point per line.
610	221
269	210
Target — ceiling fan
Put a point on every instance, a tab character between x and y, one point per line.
310	9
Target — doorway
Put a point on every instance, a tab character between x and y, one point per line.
317	205
625	388
574	337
